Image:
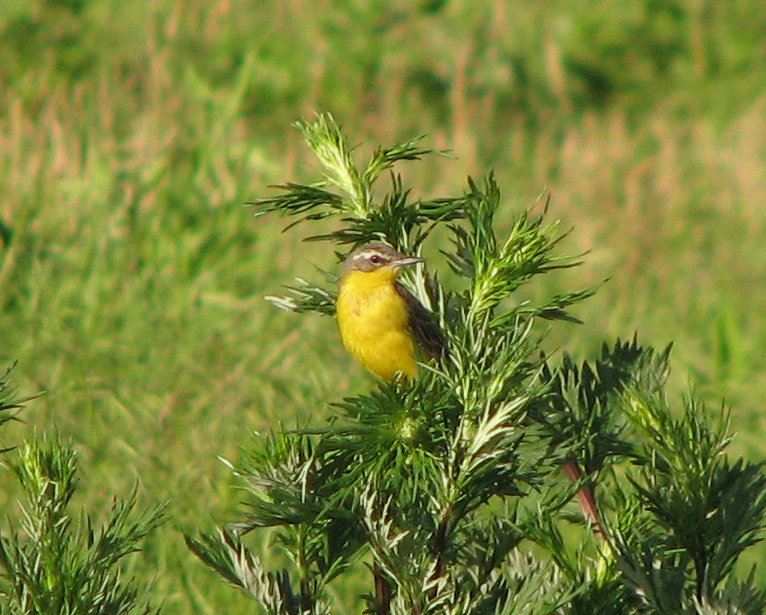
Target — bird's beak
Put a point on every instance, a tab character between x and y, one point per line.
405	261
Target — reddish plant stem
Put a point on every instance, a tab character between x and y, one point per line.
585	497
382	591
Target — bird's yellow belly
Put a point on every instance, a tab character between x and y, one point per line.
374	326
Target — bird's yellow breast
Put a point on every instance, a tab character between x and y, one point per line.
374	323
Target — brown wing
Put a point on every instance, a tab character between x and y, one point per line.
426	332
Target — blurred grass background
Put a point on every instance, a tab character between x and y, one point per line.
132	277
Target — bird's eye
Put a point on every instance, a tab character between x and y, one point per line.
375	259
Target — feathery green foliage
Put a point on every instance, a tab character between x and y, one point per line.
55	564
443	484
10	404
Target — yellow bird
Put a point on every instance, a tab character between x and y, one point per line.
381	322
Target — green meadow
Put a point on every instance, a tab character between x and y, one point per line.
133	276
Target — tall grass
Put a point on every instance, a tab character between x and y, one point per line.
132	277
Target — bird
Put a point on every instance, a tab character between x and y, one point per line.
382	324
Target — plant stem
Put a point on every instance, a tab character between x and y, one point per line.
585	498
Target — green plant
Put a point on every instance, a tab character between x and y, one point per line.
446	484
10	404
52	563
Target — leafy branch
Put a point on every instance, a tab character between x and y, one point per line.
10	403
443	484
55	564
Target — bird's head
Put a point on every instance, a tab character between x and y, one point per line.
378	257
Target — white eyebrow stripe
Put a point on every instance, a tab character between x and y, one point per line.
368	253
